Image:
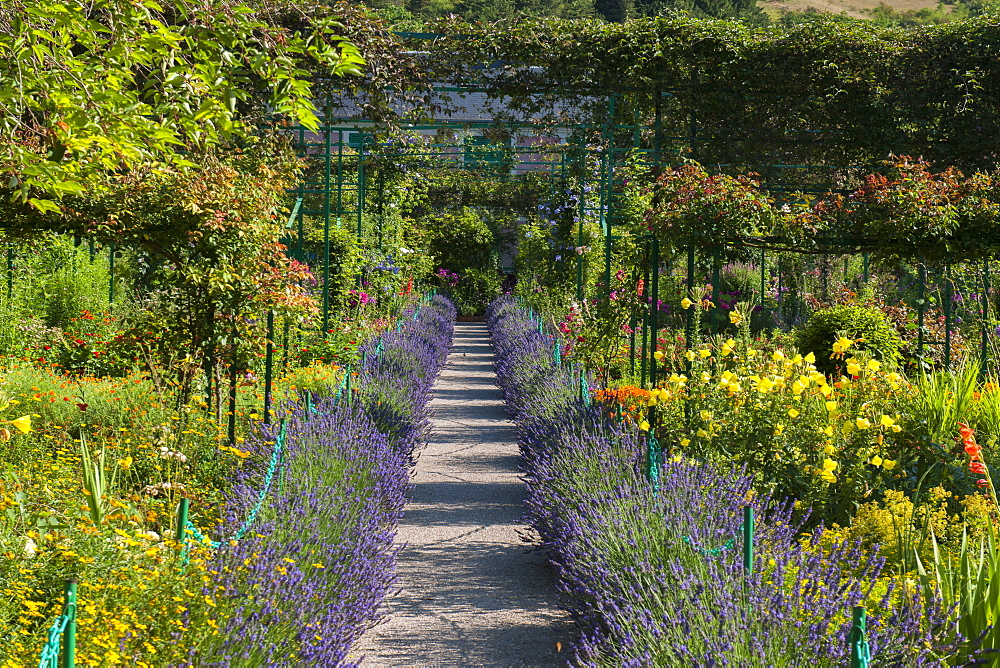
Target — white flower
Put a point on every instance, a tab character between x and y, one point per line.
30	549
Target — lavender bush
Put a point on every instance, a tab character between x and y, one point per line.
658	579
311	574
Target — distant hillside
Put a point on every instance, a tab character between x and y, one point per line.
860	9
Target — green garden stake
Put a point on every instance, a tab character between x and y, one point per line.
182	520
865	259
654	307
308	404
556	353
860	654
269	367
69	635
347	385
748	538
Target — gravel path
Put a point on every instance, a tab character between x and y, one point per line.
473	591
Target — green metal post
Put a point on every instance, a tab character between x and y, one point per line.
111	274
645	321
69	635
865	259
654	310
763	277
268	367
182	521
361	188
948	289
10	270
985	302
748	531
326	228
579	243
859	657
716	279
689	332
232	395
921	306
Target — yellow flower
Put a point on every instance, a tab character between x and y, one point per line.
23	424
793	413
734	388
765	385
735	317
831	406
888	464
685	442
125	463
686	303
798	387
810	358
876	461
841	345
828	449
644	425
862	423
874	365
886	421
826	390
777	356
690	355
896	428
828	476
706	416
779	429
853	368
827	431
751	352
702	433
727	347
705	352
829	465
658	355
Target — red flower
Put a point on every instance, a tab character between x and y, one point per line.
977	467
973	450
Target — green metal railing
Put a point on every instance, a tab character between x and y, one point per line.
60	647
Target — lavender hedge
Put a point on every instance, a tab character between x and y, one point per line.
312	573
657	579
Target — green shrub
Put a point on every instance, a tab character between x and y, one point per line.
867	327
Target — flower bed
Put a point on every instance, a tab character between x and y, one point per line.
311	575
657	577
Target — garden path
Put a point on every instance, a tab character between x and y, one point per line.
473	592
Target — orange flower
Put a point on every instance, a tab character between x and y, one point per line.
978	467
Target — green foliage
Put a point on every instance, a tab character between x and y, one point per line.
462	240
866	327
474	290
692	207
137	85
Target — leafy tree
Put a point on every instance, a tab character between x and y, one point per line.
89	88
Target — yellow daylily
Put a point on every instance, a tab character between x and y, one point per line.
686	303
888	464
22	424
829	465
876	461
842	344
705	353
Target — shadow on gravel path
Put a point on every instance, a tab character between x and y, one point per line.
473	592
